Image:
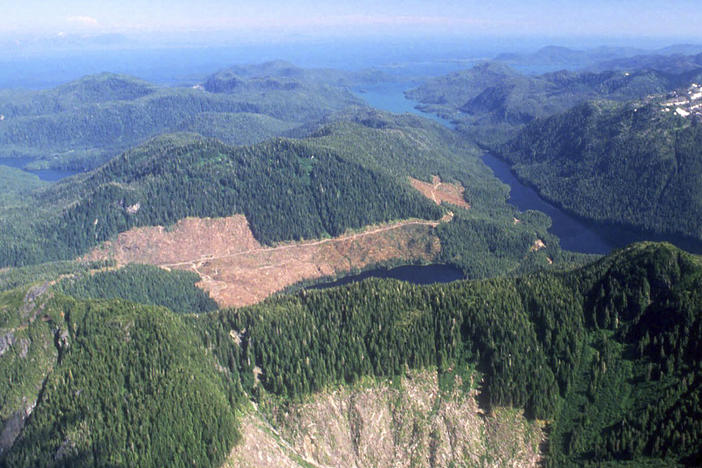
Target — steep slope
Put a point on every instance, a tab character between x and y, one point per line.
603	357
605	354
352	171
407	421
638	164
287	189
106	383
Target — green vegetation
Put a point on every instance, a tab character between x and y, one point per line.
287	190
11	278
489	101
127	368
607	354
630	164
16	185
119	384
485	246
350	172
82	124
144	284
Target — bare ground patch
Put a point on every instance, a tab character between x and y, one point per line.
378	425
236	270
189	238
439	192
538	245
260	447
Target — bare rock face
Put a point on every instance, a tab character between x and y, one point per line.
382	425
6	341
13	426
30	307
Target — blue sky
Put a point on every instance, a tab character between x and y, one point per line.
612	18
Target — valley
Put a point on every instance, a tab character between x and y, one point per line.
220	283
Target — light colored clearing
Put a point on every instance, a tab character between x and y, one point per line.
236	270
261	447
189	238
515	220
376	424
439	192
538	245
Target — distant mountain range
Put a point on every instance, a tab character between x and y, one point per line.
489	101
549	358
81	124
568	58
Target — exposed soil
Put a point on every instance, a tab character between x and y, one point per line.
189	238
538	245
260	447
441	191
236	270
408	424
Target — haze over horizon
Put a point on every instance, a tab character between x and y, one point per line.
276	19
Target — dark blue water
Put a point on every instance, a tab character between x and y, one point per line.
49	175
417	274
575	233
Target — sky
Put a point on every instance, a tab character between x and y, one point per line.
674	19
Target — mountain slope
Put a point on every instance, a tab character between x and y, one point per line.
490	101
633	164
605	355
107	383
557	345
352	171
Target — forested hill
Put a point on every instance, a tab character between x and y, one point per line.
601	58
351	171
606	355
83	123
637	164
279	73
675	63
490	100
287	189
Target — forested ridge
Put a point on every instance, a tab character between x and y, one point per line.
631	164
606	354
490	101
287	189
81	124
351	171
103	365
144	284
98	383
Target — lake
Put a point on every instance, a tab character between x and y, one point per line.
49	175
575	234
417	274
391	97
